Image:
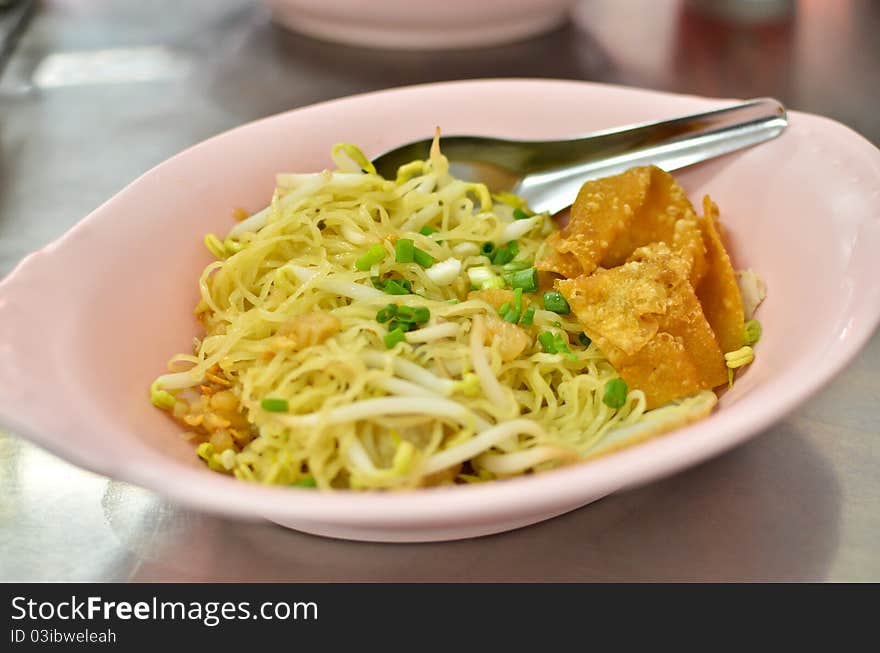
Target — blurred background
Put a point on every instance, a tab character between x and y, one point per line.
80	75
95	92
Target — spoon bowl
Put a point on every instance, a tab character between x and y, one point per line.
548	174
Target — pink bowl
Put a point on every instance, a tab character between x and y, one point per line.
420	24
87	322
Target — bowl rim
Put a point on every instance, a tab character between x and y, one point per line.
430	507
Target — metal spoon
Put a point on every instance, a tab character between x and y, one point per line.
548	174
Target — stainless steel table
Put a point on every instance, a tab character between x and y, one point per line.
96	93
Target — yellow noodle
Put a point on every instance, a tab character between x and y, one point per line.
298	258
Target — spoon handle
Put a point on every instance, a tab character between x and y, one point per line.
668	144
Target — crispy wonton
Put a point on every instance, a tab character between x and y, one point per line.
614	216
718	290
603	211
646	318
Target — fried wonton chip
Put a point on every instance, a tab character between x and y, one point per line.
602	212
646	318
718	290
621	307
655	220
687	242
561	263
684	316
614	216
663	369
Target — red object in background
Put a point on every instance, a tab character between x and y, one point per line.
724	50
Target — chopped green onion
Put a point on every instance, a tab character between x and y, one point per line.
399	287
422	257
752	332
584	339
400	325
513	266
406	314
502	255
275	405
393	286
519	214
517	299
526	279
512	315
503	308
386	313
615	393
404	250
394	337
548	342
305	481
416	315
554	301
374	255
421	314
564	349
555	344
488	248
505	254
529	316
